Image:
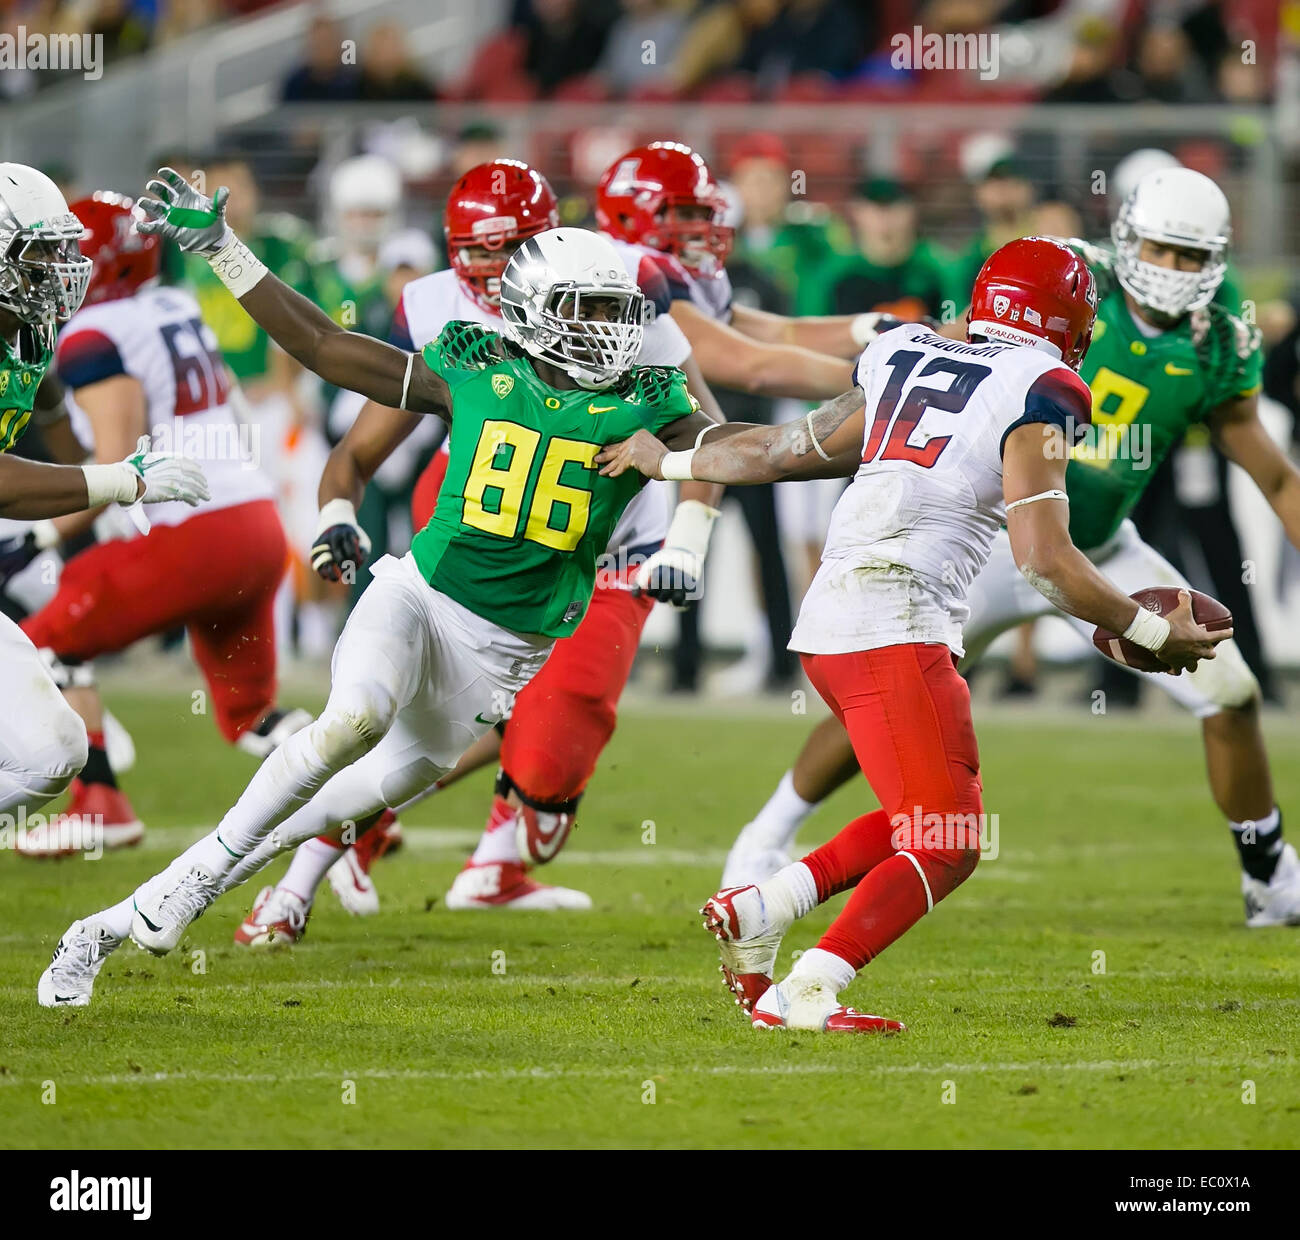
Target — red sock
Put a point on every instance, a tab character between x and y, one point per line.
840	863
887	903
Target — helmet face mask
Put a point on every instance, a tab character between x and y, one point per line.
1178	209
43	278
566	300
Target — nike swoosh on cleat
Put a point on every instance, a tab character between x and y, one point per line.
64	998
147	922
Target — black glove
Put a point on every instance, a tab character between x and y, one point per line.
16	554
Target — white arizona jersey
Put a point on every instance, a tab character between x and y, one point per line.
430	302
159	339
914	527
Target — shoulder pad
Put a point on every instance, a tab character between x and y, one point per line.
470	346
649	386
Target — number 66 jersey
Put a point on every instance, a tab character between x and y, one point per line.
157	338
914	527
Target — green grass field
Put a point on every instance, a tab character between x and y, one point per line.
611	1028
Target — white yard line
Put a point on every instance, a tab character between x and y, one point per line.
637	1074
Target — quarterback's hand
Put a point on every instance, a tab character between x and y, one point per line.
167	476
674	573
1188	642
643	452
340	541
178	212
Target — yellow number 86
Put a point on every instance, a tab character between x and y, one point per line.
498	479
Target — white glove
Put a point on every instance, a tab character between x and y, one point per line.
674	573
166	476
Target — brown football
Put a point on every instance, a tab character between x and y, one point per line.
1208	612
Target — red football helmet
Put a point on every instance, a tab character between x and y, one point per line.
641	196
1035	291
492	205
124	260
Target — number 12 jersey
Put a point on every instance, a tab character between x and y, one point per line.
914	527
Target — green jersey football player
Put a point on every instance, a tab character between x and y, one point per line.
1165	357
43	278
438	645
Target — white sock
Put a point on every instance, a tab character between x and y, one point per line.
789	894
778	822
118	918
500	839
823	966
313	858
283	784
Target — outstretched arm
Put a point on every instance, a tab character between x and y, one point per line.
347	359
827	443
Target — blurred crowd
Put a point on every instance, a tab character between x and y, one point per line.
1095	51
1067	51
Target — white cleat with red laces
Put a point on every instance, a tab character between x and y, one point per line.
278	919
505	884
808	1003
748	940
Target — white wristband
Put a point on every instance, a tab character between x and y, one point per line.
110	484
237	267
337	512
1149	629
676	466
691	526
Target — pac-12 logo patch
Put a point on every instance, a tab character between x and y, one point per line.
1000	304
502	385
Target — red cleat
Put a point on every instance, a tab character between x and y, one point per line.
278	919
808	1003
384	836
96	816
747	943
505	884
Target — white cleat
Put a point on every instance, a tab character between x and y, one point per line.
747	865
505	884
69	978
809	1003
354	888
1276	902
162	918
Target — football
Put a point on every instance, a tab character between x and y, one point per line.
1163	599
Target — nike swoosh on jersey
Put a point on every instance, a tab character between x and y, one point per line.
601	408
1171	369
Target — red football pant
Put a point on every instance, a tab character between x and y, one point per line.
216	573
563	718
907	712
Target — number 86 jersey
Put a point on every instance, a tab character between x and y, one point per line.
914	527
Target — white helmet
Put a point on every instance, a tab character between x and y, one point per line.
1134	166
42	274
365	183
549	281
1174	206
